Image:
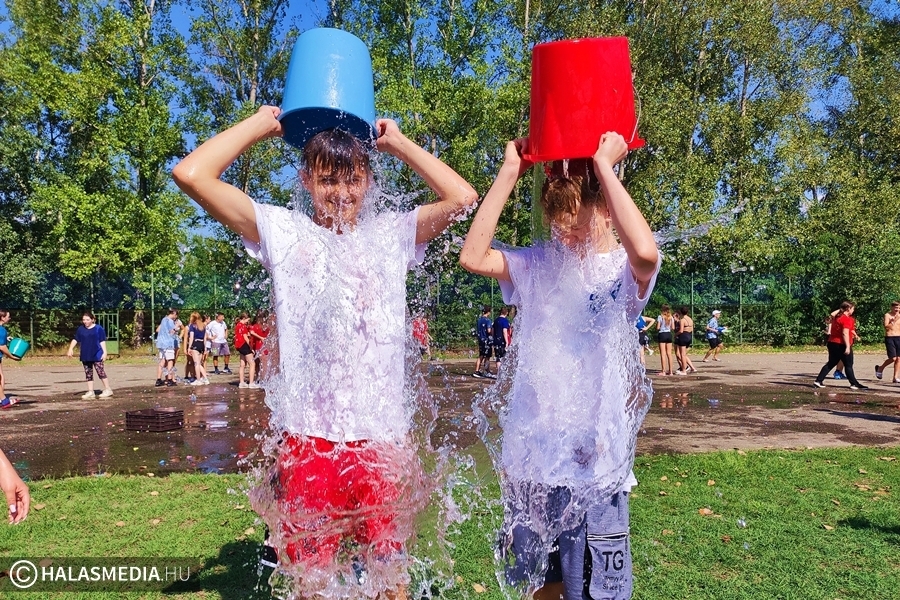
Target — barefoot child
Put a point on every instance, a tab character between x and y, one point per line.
579	391
339	289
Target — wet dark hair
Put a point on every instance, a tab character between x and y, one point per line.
3	312
504	311
485	309
335	151
683	310
568	185
847	305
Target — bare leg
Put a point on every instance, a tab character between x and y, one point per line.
896	369
199	371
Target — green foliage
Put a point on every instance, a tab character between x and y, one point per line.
771	137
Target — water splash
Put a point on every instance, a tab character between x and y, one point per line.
670	235
356	498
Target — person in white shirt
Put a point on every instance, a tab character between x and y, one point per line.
579	392
339	288
217	333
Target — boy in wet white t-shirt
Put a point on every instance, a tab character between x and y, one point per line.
579	391
339	288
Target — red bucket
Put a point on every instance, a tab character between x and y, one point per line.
580	89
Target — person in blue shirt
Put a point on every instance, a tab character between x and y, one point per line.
166	343
643	325
714	336
484	332
92	338
502	333
4	351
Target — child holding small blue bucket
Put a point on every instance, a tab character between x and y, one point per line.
579	391
5	401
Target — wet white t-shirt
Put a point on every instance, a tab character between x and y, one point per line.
579	393
340	307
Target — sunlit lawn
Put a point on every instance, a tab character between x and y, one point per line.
772	524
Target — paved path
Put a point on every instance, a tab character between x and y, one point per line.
745	401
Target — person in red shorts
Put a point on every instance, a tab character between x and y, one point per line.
338	284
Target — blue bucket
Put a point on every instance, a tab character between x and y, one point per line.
328	85
18	347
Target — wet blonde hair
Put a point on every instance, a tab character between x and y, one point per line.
569	184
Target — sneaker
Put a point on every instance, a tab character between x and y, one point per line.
680	372
196	382
650	351
227	371
692	370
878	373
107	393
839	375
269	556
159	383
255	386
206	381
89	395
478	375
217	372
243	384
170	383
895	381
859	386
190	380
818	384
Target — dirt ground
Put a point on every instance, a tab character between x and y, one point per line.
745	401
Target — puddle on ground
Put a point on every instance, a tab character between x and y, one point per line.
704	398
64	435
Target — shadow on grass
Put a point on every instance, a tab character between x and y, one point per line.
234	574
891	533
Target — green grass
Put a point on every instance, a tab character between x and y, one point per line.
819	524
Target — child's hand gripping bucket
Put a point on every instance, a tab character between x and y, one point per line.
18	347
580	89
328	85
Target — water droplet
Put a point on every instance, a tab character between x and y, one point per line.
742	523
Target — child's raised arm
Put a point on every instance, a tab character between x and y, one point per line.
477	255
455	193
198	175
629	222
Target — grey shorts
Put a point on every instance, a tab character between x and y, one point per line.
220	349
592	560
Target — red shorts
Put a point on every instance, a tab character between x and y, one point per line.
338	498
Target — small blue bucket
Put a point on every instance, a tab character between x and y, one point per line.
328	85
18	347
